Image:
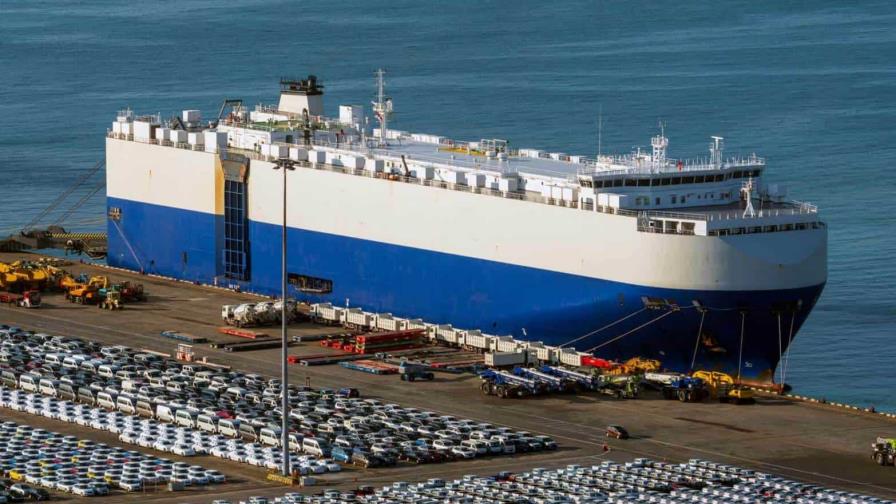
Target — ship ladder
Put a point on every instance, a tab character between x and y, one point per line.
611	324
645	324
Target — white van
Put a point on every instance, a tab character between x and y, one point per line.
165	413
229	427
185	418
47	386
126	404
106	400
207	423
269	436
53	358
316	446
73	361
28	382
107	371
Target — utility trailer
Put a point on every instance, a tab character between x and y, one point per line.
504	384
27	299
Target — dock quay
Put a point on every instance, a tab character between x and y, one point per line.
817	443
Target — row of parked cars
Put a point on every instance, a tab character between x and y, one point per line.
149	433
229	404
640	481
32	456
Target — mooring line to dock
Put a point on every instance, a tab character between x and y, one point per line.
611	324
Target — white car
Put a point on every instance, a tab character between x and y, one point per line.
183	449
463	452
130	485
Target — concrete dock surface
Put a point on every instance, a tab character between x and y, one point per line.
814	443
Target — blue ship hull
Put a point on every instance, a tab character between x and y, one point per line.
740	330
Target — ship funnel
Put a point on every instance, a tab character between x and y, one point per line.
301	96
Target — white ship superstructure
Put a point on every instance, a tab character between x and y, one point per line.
687	260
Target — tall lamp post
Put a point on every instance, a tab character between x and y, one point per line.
285	165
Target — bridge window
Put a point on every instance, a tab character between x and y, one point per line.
755	173
676	180
617	183
664	181
643	182
598	183
717	178
687	180
630	182
698	179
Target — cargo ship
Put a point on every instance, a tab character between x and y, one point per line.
699	263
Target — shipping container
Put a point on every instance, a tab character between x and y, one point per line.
498	359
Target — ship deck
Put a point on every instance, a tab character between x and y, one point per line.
810	442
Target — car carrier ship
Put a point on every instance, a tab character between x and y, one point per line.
699	263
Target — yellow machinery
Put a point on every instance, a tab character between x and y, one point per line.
723	387
88	293
635	365
22	275
111	301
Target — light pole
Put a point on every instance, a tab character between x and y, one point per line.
285	165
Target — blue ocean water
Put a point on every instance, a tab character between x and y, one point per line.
808	85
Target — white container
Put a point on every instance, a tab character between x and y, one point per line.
373	165
475	179
127	128
298	154
178	136
476	339
507	184
500	359
143	130
421	172
352	115
279	151
356	317
163	133
317	157
446	333
570	357
116	127
415	324
191	116
548	354
386	322
194	138
506	344
453	177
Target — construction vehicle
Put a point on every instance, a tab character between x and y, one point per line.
27	299
686	389
635	365
884	451
130	292
504	384
620	386
410	371
724	387
88	293
111	300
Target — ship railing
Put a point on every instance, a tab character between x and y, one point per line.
605	166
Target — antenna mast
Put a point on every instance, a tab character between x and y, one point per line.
382	107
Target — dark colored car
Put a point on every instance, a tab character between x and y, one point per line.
617	431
